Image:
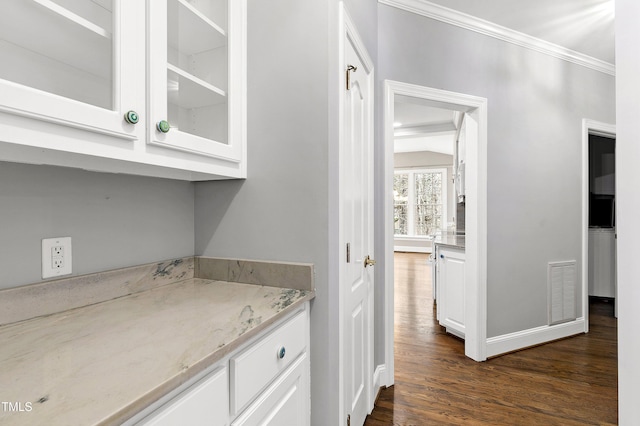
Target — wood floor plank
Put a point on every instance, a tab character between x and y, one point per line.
568	382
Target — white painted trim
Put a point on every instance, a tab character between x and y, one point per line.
412	244
476	224
534	336
69	123
412	249
389	229
410	238
379	380
602	129
469	22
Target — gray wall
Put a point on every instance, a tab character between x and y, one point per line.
114	220
422	159
536	106
628	204
364	14
280	212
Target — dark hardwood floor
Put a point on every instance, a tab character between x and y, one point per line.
567	382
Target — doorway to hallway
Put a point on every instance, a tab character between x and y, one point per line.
599	235
474	109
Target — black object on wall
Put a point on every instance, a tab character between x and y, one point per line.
602	172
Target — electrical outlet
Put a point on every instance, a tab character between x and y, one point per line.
56	257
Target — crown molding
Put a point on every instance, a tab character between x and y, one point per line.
469	22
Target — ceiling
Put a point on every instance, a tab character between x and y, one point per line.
419	127
585	26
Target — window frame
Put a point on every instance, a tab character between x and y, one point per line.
411	203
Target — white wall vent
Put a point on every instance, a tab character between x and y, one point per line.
562	291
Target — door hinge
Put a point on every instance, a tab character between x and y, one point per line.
348	252
348	419
349	69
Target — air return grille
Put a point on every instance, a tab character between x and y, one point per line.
562	291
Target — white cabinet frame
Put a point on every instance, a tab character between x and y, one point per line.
235	95
38	127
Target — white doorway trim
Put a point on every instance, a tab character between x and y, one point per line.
589	127
476	214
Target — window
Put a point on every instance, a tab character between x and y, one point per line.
420	202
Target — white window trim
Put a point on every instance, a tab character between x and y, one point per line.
411	196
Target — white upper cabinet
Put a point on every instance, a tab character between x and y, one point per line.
196	76
64	62
154	87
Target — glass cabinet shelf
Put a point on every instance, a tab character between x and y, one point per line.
188	91
71	40
190	31
197	68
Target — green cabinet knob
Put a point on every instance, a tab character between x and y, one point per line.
163	126
131	117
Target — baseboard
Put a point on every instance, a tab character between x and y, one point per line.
534	336
379	381
412	249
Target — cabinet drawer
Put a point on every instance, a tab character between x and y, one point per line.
253	369
286	402
204	403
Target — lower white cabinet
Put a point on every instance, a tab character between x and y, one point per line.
602	262
204	403
253	369
284	403
266	382
450	276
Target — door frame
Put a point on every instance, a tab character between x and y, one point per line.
349	32
475	215
590	127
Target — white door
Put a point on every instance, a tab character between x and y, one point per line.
356	186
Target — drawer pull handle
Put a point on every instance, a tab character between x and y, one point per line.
281	352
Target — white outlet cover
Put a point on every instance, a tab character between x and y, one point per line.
63	261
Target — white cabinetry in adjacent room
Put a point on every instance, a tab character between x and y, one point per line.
154	88
450	276
264	383
602	262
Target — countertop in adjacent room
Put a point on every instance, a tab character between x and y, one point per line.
450	239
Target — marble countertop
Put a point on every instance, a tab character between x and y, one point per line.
450	239
102	363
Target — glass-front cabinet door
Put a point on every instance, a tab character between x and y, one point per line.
197	76
73	63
